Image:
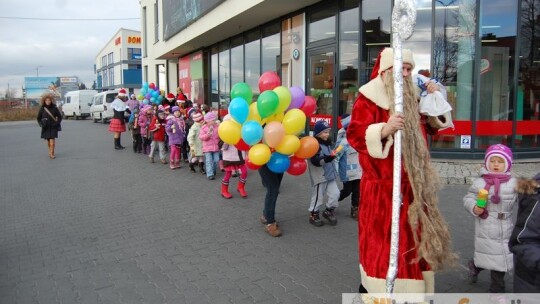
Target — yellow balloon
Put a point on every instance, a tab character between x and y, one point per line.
294	121
230	132
288	145
276	117
259	154
254	114
284	97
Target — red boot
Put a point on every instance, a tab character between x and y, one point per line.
225	191
241	188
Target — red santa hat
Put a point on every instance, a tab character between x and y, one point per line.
181	98
386	60
170	96
122	93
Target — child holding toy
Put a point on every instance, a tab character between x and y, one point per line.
491	200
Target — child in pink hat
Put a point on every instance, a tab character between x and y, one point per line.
210	139
491	199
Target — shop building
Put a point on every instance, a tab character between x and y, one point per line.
486	52
118	64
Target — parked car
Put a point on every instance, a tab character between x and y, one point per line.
100	107
75	103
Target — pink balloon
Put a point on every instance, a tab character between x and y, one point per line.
309	106
268	81
273	133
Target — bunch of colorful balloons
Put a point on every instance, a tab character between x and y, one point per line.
150	93
269	128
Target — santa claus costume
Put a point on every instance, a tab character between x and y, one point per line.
118	124
424	241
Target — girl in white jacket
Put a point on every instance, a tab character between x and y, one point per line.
493	217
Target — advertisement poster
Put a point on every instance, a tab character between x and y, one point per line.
178	14
190	77
36	86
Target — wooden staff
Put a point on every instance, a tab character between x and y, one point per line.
403	21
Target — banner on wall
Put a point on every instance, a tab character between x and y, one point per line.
190	77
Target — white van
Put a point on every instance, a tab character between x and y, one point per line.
100	107
75	103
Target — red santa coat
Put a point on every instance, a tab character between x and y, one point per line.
369	115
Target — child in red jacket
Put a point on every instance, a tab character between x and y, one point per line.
157	129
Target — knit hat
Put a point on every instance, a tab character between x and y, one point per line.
122	93
197	117
501	151
170	96
175	108
210	116
345	120
160	112
166	107
386	59
320	125
132	95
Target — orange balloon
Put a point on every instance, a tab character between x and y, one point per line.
308	147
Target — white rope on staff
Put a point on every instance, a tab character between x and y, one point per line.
403	21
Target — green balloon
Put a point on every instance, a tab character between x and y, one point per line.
267	103
242	89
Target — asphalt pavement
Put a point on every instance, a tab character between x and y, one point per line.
97	225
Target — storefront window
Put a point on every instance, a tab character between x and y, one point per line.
271	48
322	24
528	91
214	68
494	107
237	60
224	75
376	26
253	61
453	65
348	57
420	41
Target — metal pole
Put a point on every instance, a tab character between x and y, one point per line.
403	21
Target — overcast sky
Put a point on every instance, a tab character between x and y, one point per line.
58	47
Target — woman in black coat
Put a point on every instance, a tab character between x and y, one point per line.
49	119
525	240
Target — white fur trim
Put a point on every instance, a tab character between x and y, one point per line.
374	141
374	91
387	59
378	285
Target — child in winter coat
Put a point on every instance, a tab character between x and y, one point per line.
195	144
525	239
323	177
233	159
210	140
157	127
144	121
176	131
493	216
349	168
135	128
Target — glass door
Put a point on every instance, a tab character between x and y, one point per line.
320	84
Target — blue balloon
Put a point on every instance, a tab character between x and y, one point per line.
145	101
160	97
278	163
143	91
252	132
145	85
155	94
239	109
153	100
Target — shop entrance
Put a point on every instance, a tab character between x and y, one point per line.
320	83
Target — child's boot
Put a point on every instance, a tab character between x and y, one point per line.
473	271
241	188
315	219
192	167
354	212
178	164
329	215
201	168
172	164
225	190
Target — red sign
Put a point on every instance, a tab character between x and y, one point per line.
134	39
117	41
